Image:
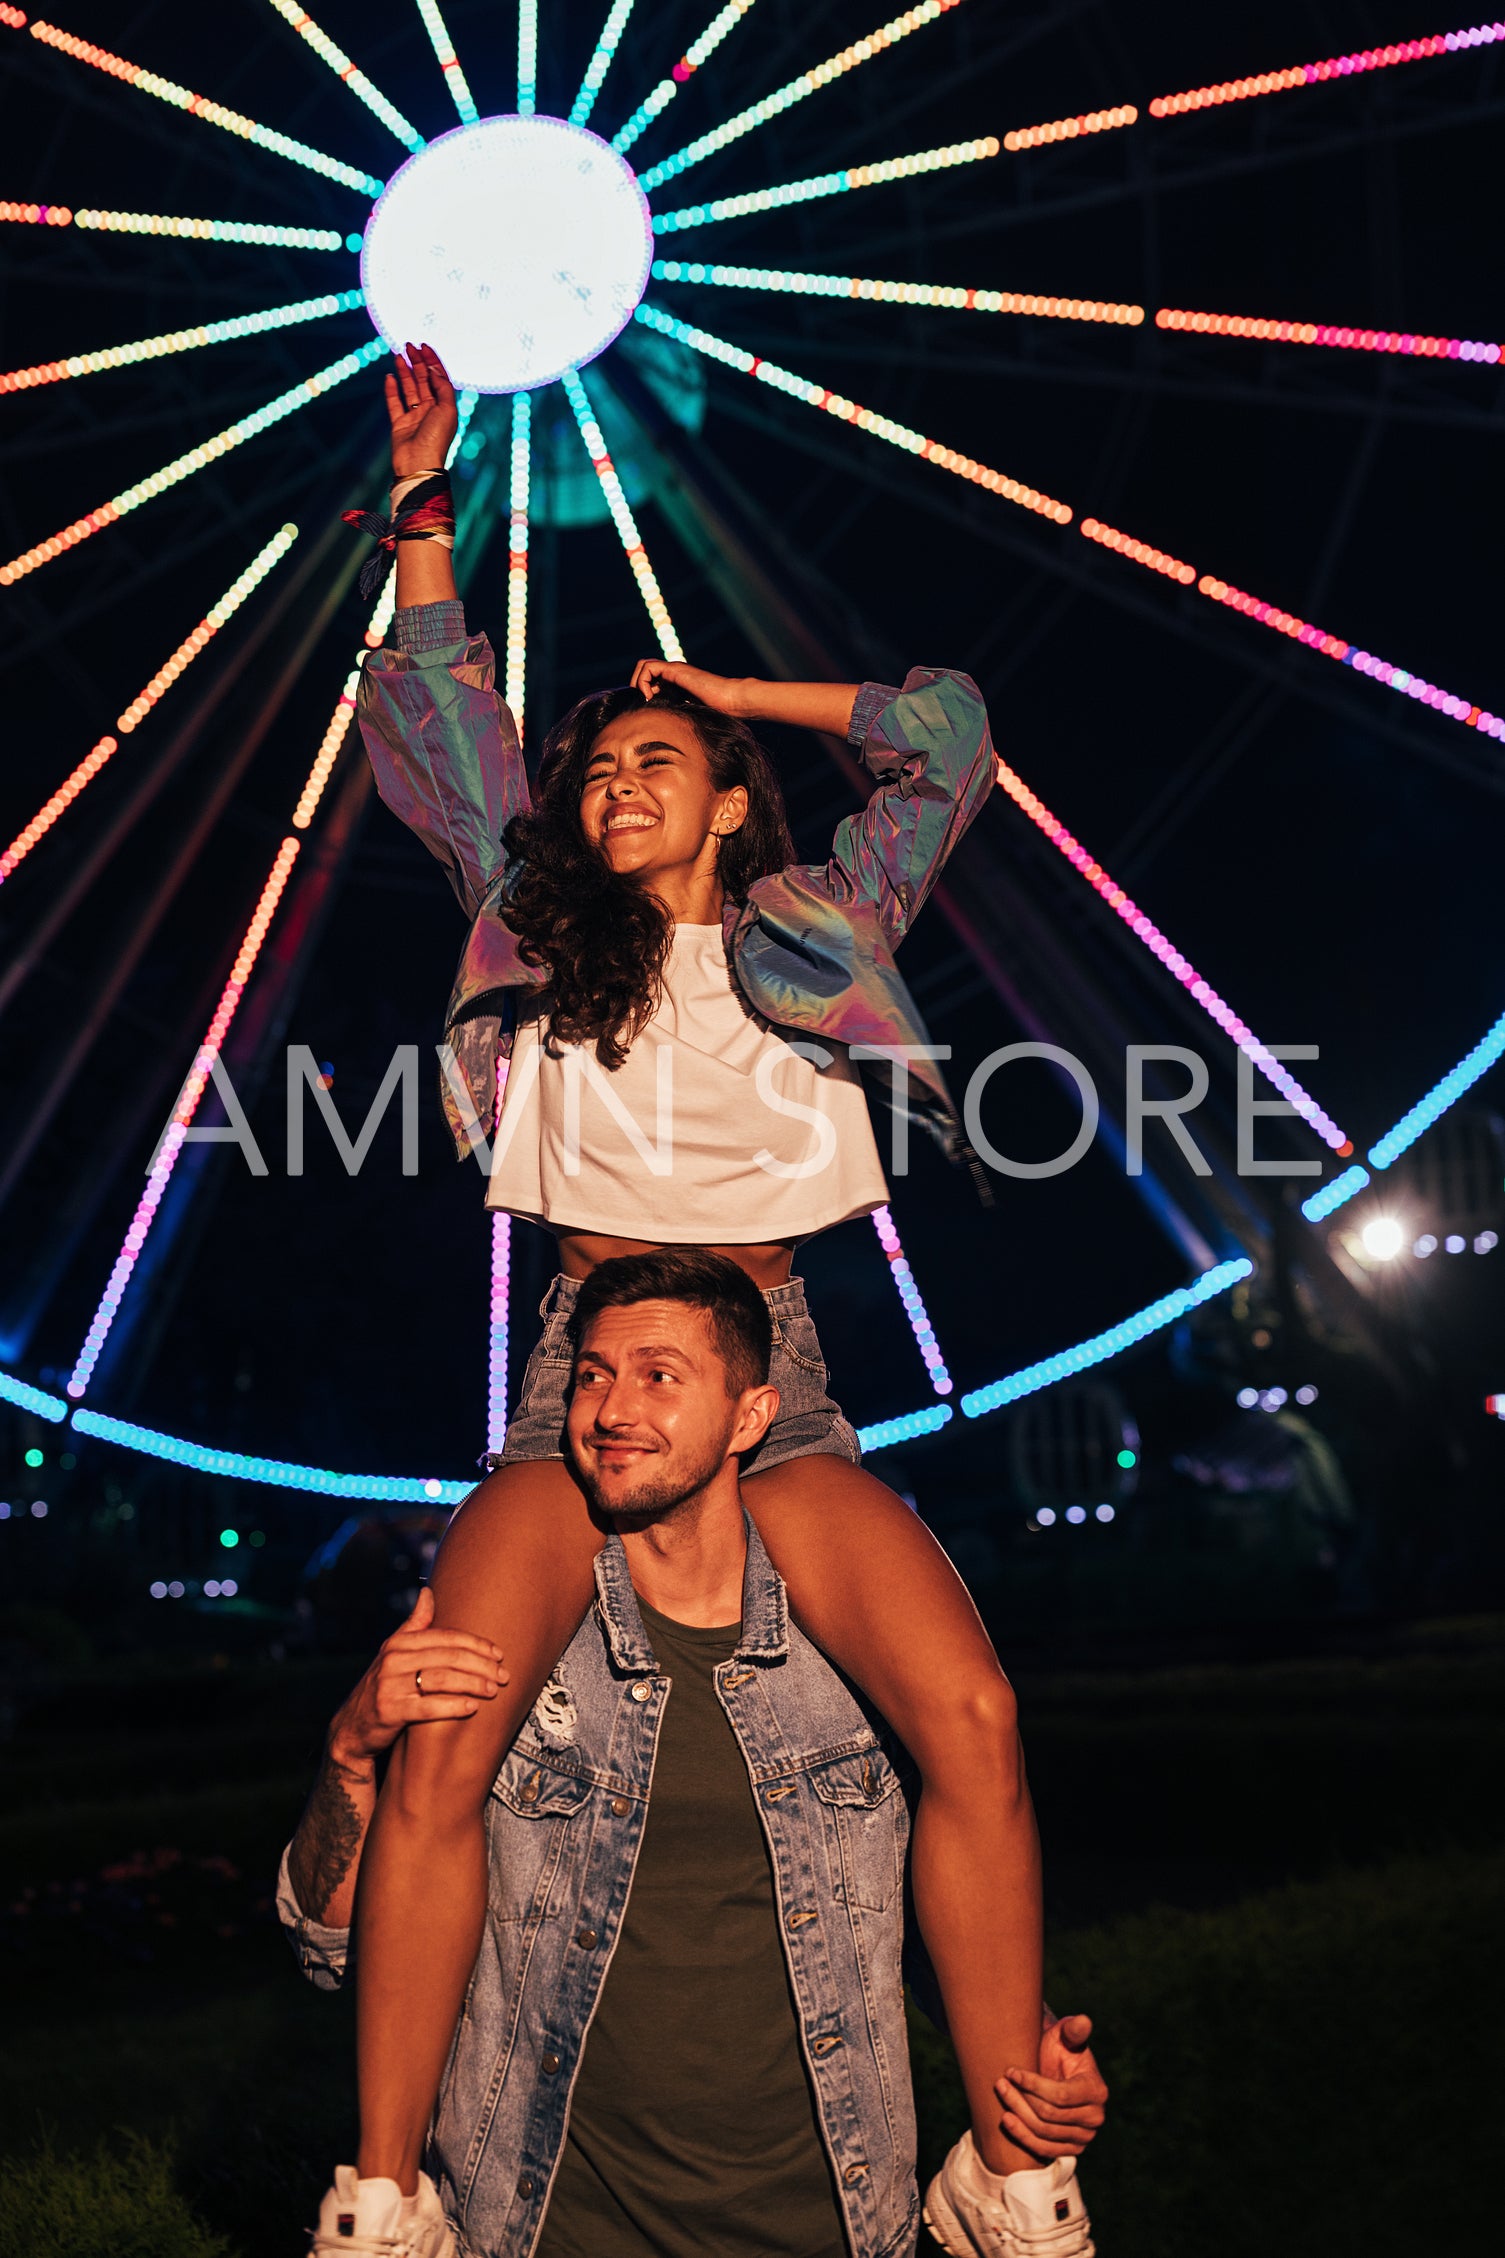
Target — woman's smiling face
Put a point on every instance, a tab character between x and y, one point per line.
649	801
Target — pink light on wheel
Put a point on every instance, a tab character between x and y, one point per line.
1319	74
1200	990
1108	537
914	1304
165	1159
496	1355
1346	337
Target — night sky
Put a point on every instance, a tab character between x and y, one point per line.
1325	852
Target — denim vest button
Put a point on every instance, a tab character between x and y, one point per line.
525	2187
548	2063
620	1807
641	1690
586	1939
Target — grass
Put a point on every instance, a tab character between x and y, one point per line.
119	2202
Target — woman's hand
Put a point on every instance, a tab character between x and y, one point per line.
1059	2109
421	404
458	1673
723	693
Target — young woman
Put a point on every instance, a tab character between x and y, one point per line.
647	903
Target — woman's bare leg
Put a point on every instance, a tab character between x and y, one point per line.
515	1567
872	1588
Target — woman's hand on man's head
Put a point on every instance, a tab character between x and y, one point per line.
723	693
421	406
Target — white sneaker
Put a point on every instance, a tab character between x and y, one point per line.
1025	2215
374	2219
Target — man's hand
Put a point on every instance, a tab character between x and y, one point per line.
1058	2109
725	693
458	1672
424	416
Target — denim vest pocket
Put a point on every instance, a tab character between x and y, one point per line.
523	1878
856	1791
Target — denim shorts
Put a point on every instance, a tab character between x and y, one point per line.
809	1424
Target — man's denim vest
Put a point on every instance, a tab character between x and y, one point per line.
564	1823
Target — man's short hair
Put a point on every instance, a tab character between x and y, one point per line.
741	1327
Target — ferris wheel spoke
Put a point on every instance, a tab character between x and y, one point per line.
197	458
601	60
1410	343
1323	73
699	50
215	113
449	61
163	223
527	57
267	557
517	556
863	287
622	517
339	62
181	341
913	1301
824	184
836	66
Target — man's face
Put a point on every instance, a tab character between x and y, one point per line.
650	1420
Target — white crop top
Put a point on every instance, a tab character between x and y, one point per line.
714	1130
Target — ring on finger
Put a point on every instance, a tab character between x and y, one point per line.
418	1680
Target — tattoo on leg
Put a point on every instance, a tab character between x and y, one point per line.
328	1841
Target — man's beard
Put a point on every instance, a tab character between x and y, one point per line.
661	1494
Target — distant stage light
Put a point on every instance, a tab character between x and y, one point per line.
1486	1242
1247	1398
1076	1513
518	248
1425	1245
1454	1243
1046	1516
1383	1238
1103	1512
1307	1394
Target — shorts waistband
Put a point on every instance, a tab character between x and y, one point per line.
787	1300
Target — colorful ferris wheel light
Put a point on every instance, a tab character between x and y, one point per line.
1459	1079
339	62
896	293
914	1303
516	671
1113	1342
213	231
847	411
197	458
1200	990
278	1473
1347	338
1319	74
907	1428
1070	129
726	19
215	113
1108	537
824	184
449	61
509	308
622	517
600	62
1396	678
496	1331
180	341
166	675
527	57
809	82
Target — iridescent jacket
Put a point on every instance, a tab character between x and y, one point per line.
811	946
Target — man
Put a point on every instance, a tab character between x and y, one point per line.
684	2032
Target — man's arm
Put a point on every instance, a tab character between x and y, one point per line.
419	1676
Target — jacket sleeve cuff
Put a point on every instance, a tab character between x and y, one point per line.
321	1953
871	700
428	627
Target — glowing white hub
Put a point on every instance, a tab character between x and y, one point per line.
517	247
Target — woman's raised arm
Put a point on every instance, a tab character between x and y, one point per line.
424	417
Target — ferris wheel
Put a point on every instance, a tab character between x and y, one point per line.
585	331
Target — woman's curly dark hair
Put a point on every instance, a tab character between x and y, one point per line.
603	938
